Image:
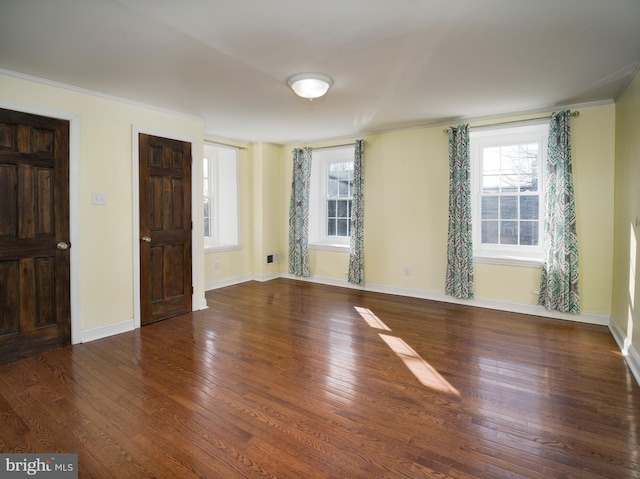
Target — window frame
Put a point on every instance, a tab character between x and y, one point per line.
318	197
533	132
211	157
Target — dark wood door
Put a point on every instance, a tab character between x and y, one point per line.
34	234
165	228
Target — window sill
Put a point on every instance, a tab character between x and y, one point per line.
221	248
508	260
342	248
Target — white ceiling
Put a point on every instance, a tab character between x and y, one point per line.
395	63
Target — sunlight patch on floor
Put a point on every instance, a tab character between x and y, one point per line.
422	370
371	319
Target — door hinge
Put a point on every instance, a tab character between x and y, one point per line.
192	225
192	290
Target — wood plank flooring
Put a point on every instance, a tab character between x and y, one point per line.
288	379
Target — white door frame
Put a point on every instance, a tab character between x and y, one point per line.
74	202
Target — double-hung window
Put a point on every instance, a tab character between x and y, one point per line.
220	197
508	194
331	197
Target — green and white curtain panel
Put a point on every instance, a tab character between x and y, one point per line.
299	213
459	277
356	254
559	283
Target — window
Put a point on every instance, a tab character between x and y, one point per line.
507	193
331	196
220	197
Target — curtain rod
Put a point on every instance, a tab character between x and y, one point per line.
333	146
226	144
573	114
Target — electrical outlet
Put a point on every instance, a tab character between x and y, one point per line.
407	270
216	264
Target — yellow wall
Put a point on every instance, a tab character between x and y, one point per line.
267	218
106	264
406	204
626	281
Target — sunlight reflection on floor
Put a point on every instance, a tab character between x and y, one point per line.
371	319
421	369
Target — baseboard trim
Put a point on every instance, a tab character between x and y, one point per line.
227	282
267	277
530	309
105	331
630	354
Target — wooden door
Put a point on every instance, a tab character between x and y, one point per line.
165	228
34	234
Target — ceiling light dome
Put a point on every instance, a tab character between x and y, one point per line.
310	85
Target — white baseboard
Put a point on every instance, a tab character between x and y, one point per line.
202	304
227	282
267	277
109	330
531	309
628	351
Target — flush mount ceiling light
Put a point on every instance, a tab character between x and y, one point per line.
310	85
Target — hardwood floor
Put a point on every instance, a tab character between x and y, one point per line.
287	379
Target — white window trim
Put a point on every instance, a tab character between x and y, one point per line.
516	255
211	245
318	239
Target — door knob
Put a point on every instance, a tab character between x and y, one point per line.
62	245
146	239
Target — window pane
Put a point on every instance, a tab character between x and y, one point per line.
489	207
529	182
490	183
509	183
343	188
529	207
509	159
490	232
331	208
508	232
508	207
343	209
207	227
332	188
491	160
331	227
529	233
343	227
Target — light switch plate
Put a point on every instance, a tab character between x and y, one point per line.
99	199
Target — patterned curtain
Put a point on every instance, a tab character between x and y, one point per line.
356	254
299	213
459	279
559	283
